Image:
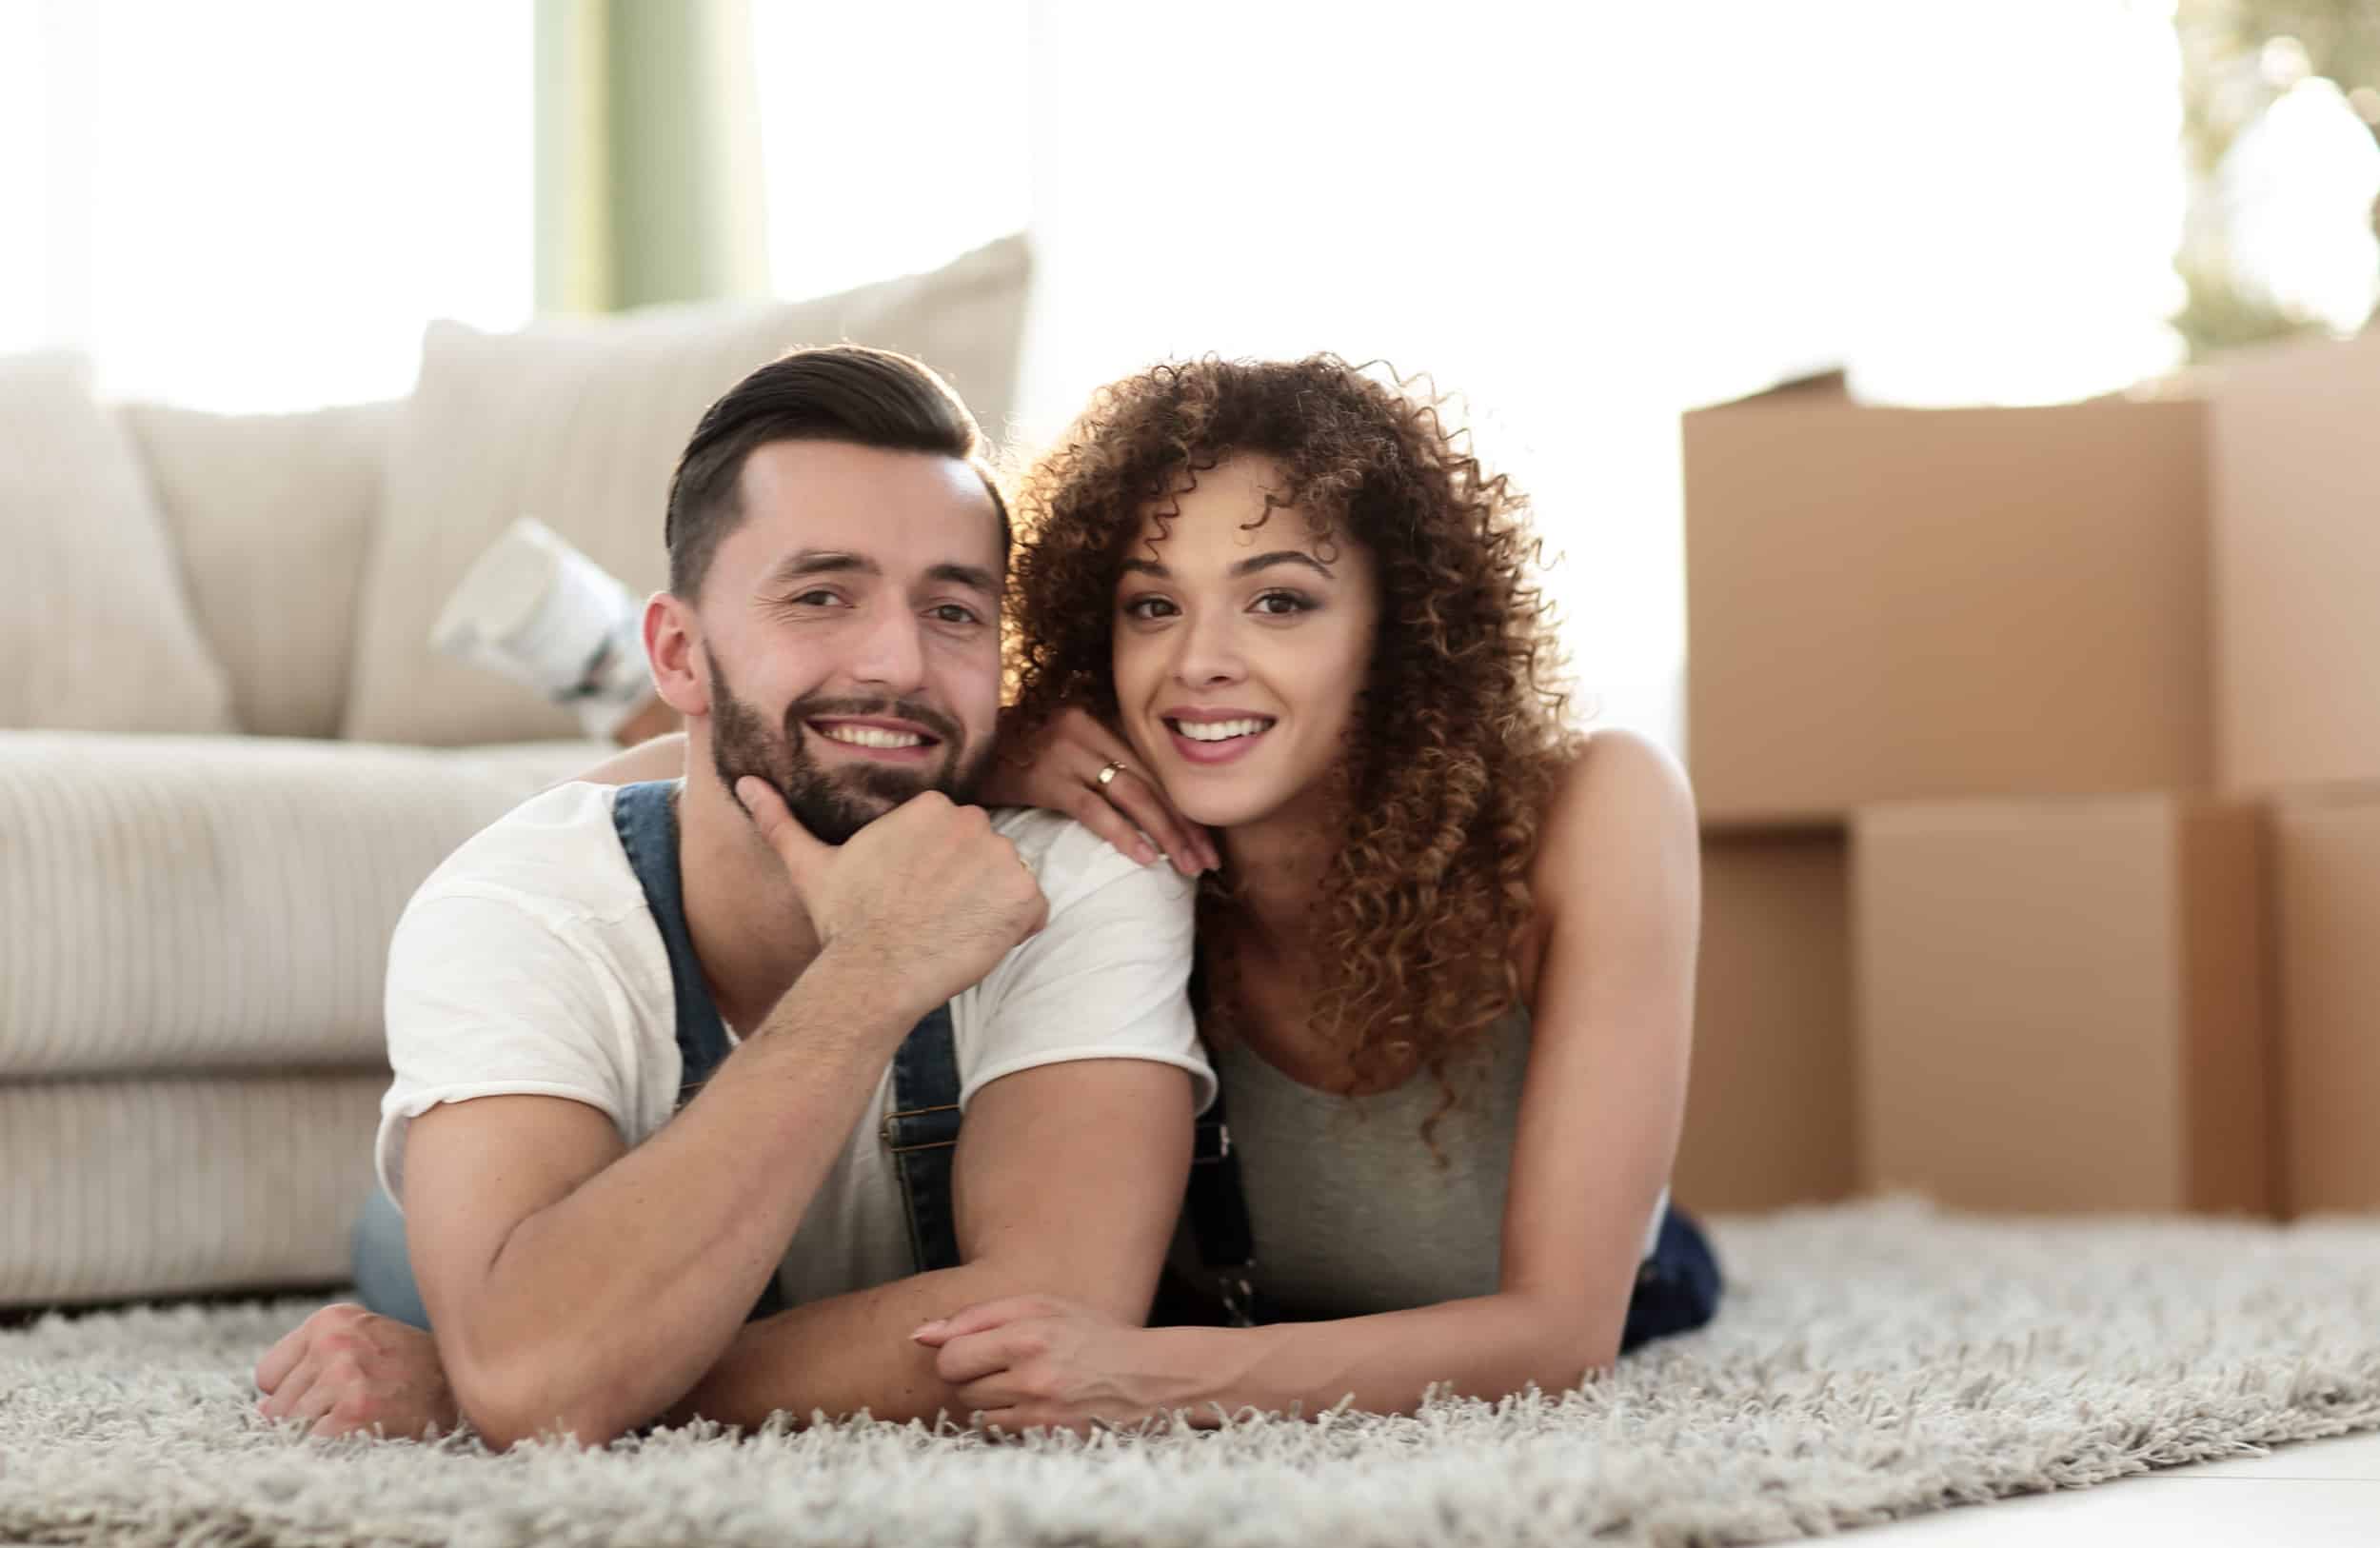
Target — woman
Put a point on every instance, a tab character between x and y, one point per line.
1278	618
1275	619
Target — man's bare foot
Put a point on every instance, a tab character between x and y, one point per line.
350	1370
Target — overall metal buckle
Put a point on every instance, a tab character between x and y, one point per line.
1240	1300
889	1129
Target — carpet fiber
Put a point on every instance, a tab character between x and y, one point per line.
1873	1361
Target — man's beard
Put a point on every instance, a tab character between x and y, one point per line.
832	804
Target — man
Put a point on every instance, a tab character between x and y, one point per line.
601	1182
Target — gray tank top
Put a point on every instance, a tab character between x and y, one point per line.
1349	1211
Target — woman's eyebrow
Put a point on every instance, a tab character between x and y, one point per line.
1246	567
1282	556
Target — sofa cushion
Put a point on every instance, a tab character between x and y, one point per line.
580	423
97	632
154	1187
271	514
222	902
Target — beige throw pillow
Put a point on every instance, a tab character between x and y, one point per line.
96	629
578	424
271	514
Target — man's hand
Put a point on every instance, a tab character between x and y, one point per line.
350	1370
928	896
1035	1361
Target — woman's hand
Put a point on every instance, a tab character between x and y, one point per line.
1059	770
1035	1361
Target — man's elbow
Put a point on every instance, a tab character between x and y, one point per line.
530	1400
1127	1297
504	1426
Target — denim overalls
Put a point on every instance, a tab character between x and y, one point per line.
922	1131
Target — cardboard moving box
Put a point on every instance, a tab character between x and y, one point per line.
2296	563
2325	862
1892	603
1769	1107
2062	1005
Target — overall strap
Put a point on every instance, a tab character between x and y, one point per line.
922	1131
646	817
1217	1210
1215	1203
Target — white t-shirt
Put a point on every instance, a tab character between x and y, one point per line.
530	963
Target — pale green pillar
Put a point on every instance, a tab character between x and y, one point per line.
649	161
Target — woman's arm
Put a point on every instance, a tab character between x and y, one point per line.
1039	1362
1618	879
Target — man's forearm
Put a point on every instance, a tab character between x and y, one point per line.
851	1352
1081	1211
606	1305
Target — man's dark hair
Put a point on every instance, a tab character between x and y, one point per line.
837	393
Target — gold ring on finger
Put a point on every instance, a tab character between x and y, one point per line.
1107	774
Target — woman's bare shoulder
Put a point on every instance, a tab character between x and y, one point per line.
1615	780
1621	821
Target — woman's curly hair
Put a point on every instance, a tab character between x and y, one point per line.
1457	735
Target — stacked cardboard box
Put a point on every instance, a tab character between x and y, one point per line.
2297	553
2090	699
2062	1002
1891	604
2326	850
1769	1114
2296	560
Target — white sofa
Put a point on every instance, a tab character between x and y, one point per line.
231	754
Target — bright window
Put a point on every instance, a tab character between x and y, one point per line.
893	136
257	205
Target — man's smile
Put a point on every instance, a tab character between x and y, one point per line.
876	738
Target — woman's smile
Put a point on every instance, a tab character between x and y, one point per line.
1211	737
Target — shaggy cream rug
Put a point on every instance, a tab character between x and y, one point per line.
1873	1361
